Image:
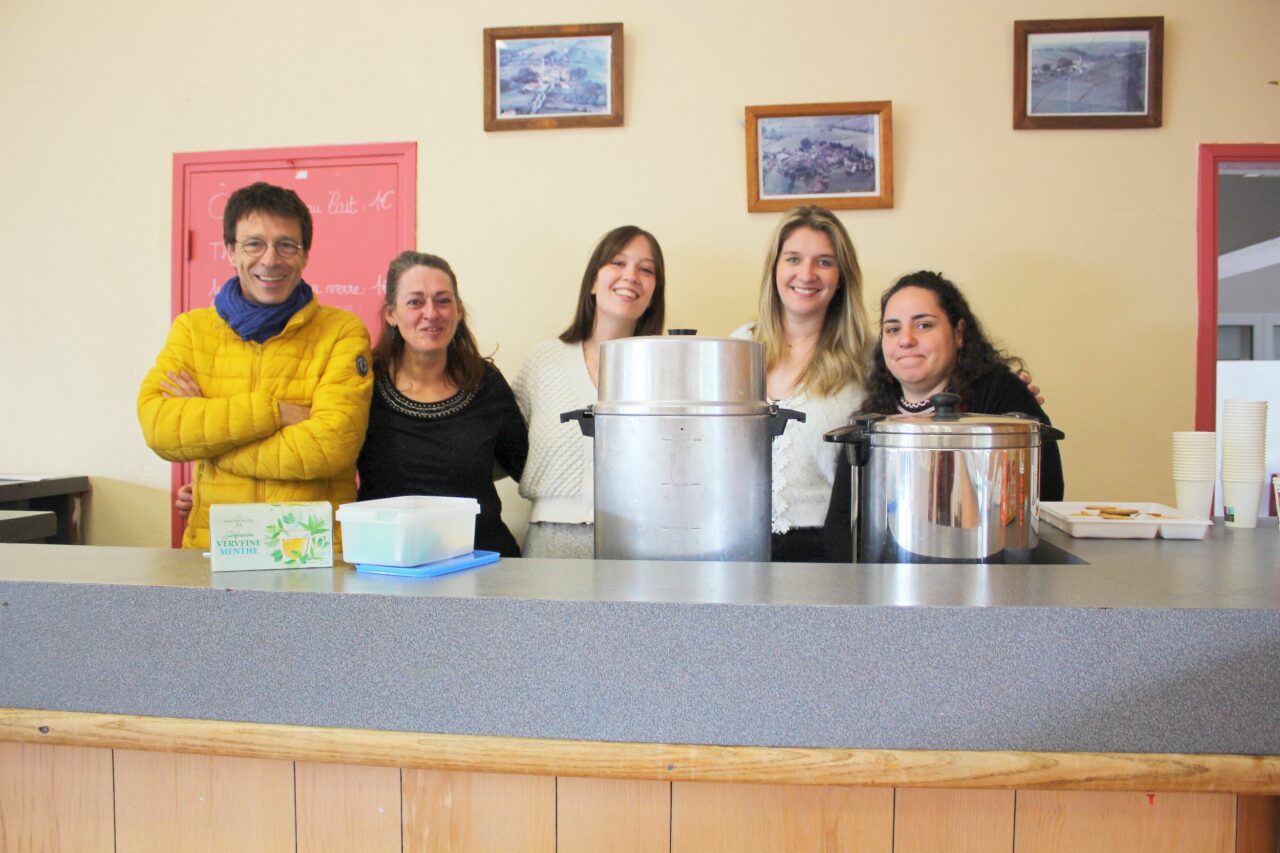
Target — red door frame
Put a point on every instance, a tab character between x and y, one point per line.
404	154
1210	158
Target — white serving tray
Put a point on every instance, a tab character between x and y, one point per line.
1167	522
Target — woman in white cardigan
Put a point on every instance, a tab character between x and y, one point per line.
622	294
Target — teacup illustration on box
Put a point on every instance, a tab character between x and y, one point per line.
295	539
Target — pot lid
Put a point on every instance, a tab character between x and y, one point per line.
681	374
945	420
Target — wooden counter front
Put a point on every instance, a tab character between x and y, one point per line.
177	784
109	637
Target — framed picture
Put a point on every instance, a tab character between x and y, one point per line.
1087	73
837	155
537	78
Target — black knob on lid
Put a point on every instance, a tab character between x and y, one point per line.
682	331
944	405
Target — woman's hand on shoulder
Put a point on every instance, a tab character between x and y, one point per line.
1031	386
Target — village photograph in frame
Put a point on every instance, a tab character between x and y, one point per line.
562	76
1088	73
836	155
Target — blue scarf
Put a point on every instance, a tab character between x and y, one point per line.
254	322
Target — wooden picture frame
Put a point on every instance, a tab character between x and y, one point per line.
537	78
837	155
1088	73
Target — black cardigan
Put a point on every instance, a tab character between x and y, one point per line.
997	393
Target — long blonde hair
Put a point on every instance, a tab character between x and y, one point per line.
840	358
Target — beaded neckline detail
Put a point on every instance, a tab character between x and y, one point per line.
925	405
401	404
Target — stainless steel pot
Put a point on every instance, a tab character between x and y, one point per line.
944	487
683	449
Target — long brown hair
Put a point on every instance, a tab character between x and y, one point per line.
840	357
463	363
584	317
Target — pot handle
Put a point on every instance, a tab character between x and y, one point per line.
856	441
1047	433
586	419
778	419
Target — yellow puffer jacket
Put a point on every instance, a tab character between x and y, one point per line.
321	359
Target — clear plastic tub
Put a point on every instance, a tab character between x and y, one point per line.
407	531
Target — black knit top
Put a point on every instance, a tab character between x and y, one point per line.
448	448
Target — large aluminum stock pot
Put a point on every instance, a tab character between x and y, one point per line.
944	487
683	449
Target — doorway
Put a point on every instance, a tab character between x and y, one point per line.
363	202
1238	278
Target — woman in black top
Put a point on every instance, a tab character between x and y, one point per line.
443	420
930	341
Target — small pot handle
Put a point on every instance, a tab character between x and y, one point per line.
778	419
586	419
1047	433
845	434
856	441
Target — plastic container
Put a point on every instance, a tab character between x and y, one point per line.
407	531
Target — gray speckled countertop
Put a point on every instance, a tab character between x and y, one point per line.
1152	646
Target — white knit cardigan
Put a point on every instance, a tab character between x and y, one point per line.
558	474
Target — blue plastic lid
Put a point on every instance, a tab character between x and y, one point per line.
430	570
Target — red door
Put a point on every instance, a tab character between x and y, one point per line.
363	201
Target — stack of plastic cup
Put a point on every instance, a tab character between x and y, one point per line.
1244	446
1195	468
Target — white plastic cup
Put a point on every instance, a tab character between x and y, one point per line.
1243	473
1195	497
1194	470
1240	502
1194	440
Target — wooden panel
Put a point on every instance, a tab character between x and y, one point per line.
1069	821
55	798
1241	774
1257	824
478	812
618	815
708	817
928	819
345	807
166	802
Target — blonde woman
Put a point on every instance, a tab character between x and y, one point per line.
814	330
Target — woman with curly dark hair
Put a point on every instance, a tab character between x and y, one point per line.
930	341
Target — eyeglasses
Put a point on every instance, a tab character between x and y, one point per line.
256	248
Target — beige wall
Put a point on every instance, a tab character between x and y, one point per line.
1076	246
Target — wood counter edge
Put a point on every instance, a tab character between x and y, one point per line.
1085	771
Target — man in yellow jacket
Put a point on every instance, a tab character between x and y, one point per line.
268	390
